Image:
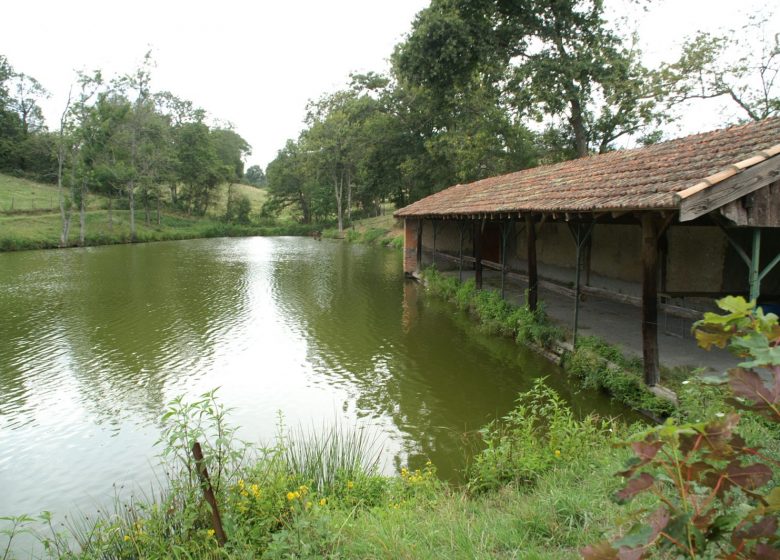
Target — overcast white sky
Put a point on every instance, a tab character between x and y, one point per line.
256	63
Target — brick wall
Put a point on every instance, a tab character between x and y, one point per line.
410	245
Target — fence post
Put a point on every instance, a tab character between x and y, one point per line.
208	494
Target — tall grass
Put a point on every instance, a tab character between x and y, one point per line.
325	458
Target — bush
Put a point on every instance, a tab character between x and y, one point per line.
538	434
709	486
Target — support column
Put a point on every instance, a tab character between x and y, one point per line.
419	244
462	231
650	228
581	234
435	229
533	280
478	254
506	229
755	266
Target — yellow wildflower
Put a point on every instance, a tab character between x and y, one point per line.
303	489
350	484
210	533
290	496
307	505
241	482
127	538
557	452
255	489
323	501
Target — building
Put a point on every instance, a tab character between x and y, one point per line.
670	224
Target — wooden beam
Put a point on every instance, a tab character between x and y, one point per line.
533	280
735	187
650	227
478	254
419	244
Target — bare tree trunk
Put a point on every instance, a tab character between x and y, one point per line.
147	217
64	212
131	196
338	186
83	213
349	198
110	211
158	208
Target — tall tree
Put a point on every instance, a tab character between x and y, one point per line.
255	176
551	59
742	67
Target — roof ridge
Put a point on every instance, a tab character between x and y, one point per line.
730	171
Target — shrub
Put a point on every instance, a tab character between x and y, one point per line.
540	432
708	483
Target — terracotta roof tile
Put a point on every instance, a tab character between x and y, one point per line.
642	178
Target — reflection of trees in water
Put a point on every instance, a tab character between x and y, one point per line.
399	358
127	320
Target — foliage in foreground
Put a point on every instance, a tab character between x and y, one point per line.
713	497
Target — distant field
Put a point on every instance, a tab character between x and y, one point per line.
22	195
30	219
256	196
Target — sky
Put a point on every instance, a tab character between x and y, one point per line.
256	63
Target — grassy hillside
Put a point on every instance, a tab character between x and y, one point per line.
25	196
30	219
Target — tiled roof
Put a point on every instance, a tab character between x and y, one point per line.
640	179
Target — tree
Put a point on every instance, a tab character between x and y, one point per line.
27	92
731	66
289	184
231	150
550	59
255	176
198	166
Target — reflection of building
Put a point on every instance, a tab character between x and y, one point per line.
409	316
693	218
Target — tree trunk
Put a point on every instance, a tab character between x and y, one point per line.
338	186
349	198
110	212
83	213
577	122
159	219
147	216
131	195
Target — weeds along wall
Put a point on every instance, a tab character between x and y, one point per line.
593	363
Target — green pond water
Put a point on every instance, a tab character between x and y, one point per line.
94	342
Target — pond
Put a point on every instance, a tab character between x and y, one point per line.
94	342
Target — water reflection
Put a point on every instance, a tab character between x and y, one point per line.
93	342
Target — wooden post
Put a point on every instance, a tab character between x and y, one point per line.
435	228
478	254
754	280
533	281
506	230
419	243
650	298
208	494
462	230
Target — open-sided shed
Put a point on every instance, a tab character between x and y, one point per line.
695	217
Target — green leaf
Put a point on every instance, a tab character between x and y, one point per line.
639	535
737	305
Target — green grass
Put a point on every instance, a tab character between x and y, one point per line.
24	196
319	496
256	196
25	228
